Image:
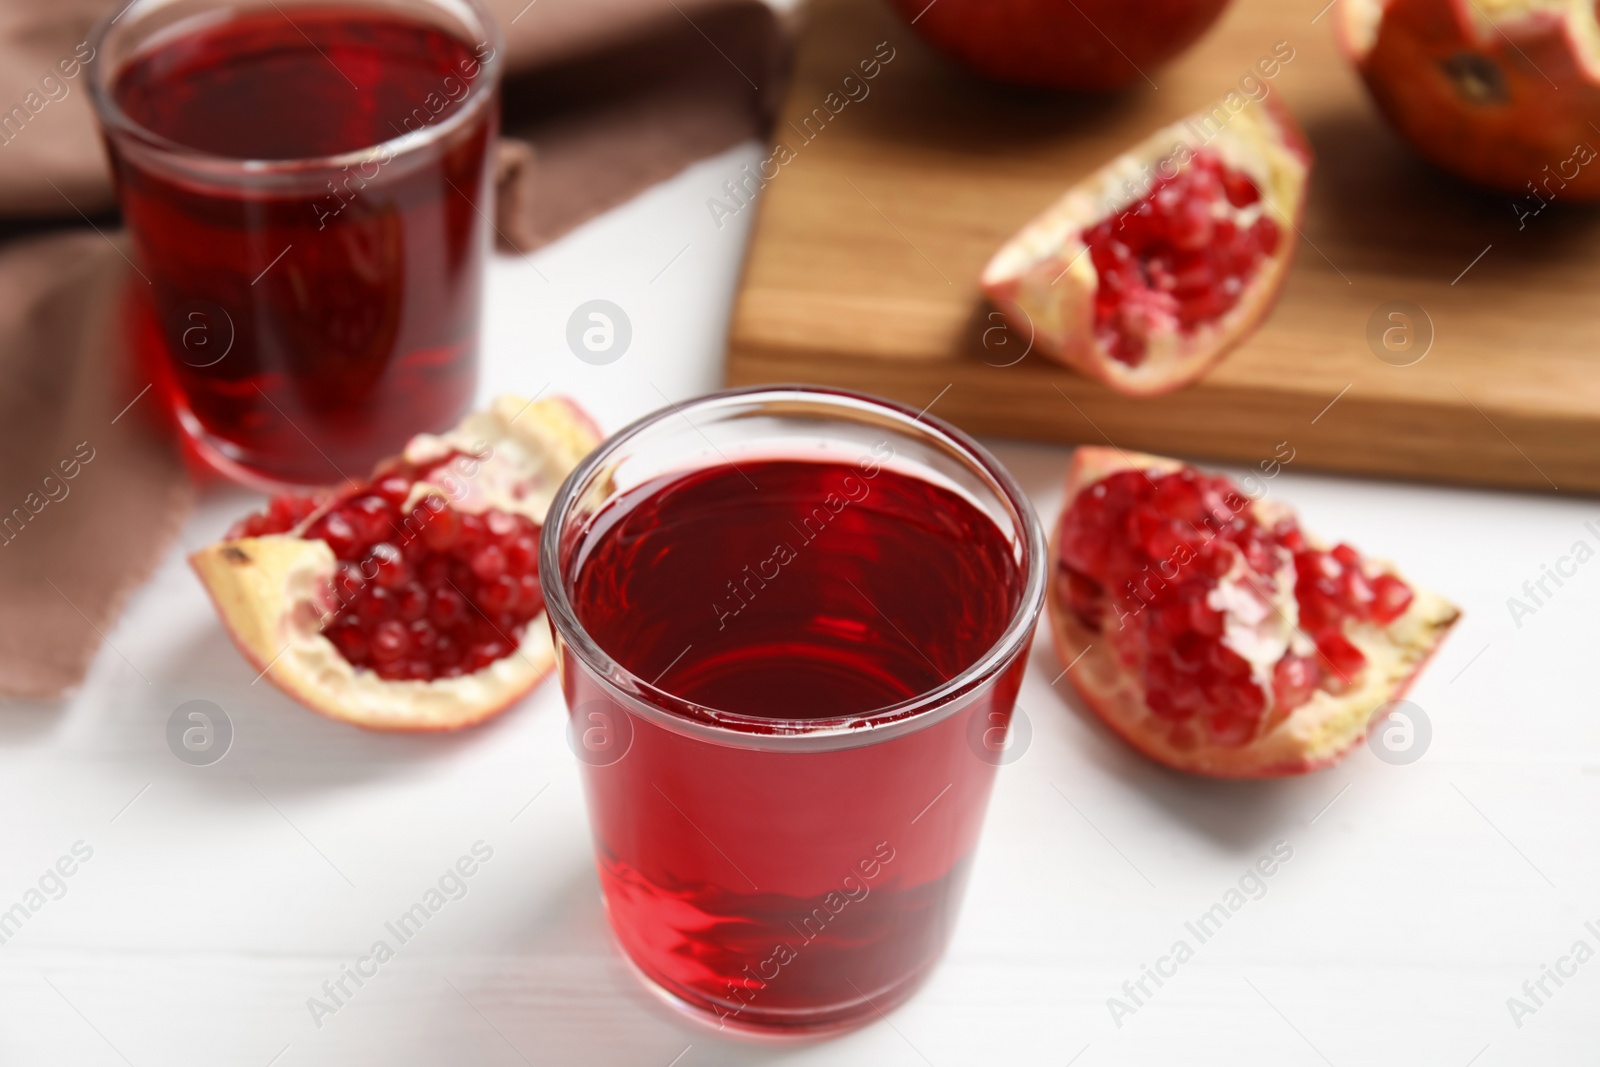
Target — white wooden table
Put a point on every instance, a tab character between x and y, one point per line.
218	899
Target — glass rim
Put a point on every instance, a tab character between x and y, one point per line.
115	121
644	698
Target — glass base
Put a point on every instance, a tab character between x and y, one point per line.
782	1026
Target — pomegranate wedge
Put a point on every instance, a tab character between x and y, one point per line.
411	602
1214	634
1150	270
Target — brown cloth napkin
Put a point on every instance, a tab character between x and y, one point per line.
602	99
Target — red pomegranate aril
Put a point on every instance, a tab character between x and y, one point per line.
1355	592
423	635
1204	620
1391	598
347	582
1342	657
522	555
1294	679
390	570
446	608
411	602
433	571
489	651
472	536
370	517
349	639
530	598
375	606
336	530
394	489
442	530
1240	191
489	563
1231	731
497	595
390	641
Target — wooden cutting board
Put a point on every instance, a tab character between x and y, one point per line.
878	219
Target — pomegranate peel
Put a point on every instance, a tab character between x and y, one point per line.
275	580
1505	94
1309	708
1151	269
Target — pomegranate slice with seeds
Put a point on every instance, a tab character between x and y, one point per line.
411	602
1150	270
1214	634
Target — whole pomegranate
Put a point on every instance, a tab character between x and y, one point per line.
1062	44
1506	94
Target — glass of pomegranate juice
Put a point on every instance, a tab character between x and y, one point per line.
307	191
791	624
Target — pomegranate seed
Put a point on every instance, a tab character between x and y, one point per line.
390	567
394	489
347	582
489	563
371	517
352	642
530	598
1355	592
423	635
376	606
522	555
472	536
446	653
1294	679
390	641
446	608
336	530
497	595
1204	620
1391	598
1189	653
442	530
1343	658
411	602
434	571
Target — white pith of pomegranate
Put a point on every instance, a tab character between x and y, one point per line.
411	602
1151	269
1213	633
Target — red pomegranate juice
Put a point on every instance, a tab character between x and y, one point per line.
791	888
307	323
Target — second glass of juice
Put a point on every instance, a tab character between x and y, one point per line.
307	189
791	623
